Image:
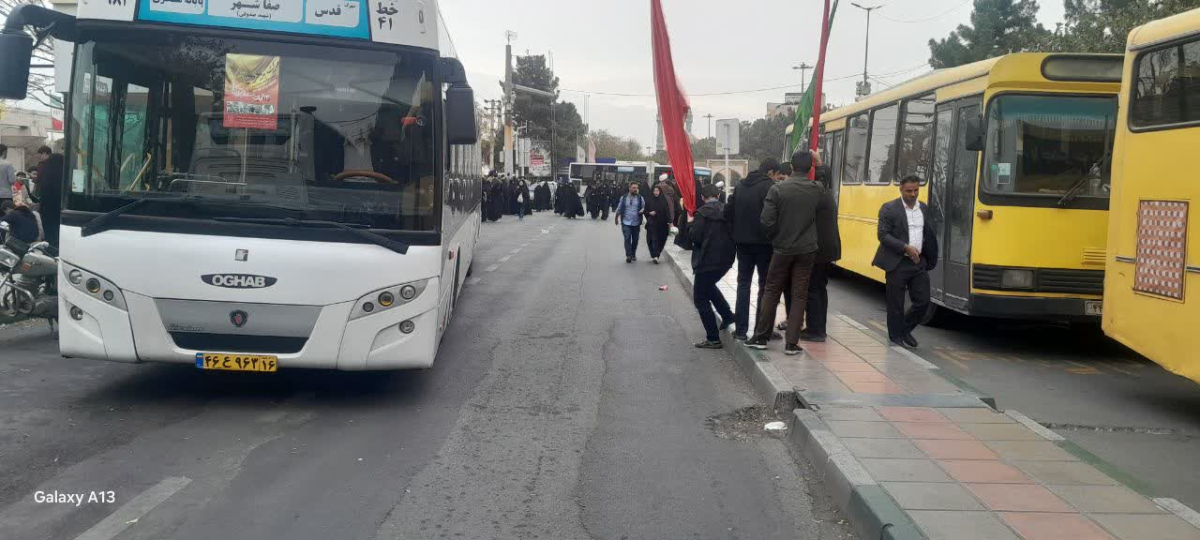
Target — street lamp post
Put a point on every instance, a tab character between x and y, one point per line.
803	68
864	88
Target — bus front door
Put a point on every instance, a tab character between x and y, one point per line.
952	203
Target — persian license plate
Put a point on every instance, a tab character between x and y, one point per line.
1093	307
237	362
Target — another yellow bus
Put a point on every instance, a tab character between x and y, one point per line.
1015	151
1155	180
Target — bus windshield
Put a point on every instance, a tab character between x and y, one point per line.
253	129
1049	145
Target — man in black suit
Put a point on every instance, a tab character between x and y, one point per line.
908	250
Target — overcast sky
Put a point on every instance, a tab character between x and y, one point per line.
719	46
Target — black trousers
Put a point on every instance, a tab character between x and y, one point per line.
707	296
914	279
751	258
817	309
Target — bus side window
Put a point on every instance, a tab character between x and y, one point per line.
856	150
881	166
916	139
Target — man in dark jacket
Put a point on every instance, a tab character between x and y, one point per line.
829	242
713	252
753	247
908	250
789	219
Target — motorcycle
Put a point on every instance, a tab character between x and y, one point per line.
28	279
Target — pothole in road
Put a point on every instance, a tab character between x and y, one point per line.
743	424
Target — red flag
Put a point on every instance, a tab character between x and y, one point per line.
673	107
818	100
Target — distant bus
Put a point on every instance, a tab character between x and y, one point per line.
1151	265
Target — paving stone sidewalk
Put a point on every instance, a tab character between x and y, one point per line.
910	453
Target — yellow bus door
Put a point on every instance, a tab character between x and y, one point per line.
952	202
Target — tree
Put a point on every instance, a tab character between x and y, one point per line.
569	131
997	27
764	138
615	147
41	80
542	117
1102	26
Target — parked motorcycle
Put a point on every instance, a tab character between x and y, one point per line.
28	279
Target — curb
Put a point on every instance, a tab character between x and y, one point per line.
871	510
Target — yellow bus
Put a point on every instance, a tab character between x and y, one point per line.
1015	153
1150	272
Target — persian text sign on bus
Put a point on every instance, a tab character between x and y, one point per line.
251	91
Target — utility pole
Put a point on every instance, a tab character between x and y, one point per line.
803	68
864	88
709	117
509	150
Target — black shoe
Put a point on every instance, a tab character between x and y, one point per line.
656	258
781	326
792	350
776	336
896	343
635	257
709	345
757	344
725	324
808	336
741	337
910	341
628	259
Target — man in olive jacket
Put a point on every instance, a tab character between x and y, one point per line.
789	218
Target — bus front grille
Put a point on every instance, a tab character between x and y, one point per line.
229	343
1045	280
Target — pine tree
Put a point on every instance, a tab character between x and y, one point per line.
997	27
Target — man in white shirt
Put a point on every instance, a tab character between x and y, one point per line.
908	250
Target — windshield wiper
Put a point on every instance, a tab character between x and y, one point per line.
104	222
1072	193
353	228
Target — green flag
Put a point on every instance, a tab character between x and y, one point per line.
804	109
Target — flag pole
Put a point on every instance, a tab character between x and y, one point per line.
818	102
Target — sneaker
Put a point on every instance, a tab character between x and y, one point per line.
656	260
757	344
776	336
709	345
741	337
792	350
808	336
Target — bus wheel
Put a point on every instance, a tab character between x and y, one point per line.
471	269
936	316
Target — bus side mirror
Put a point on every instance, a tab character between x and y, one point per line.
461	127
16	52
973	131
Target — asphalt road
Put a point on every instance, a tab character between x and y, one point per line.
1088	388
566	403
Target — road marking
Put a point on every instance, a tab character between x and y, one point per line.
1034	426
491	268
516	251
878	326
946	356
130	512
1180	509
473	281
505	259
851	322
526	244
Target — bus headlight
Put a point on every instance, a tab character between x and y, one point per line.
1017	279
95	286
387	299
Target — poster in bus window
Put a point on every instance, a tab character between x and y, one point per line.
251	91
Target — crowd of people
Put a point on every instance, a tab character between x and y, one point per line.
31	200
783	227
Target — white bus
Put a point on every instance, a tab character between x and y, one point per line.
261	186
